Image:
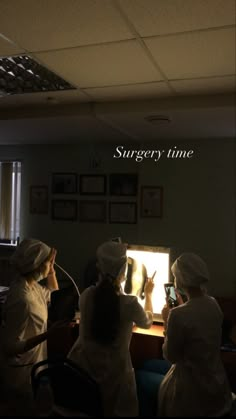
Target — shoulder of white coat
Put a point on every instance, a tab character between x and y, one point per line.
19	289
179	312
87	292
17	298
214	302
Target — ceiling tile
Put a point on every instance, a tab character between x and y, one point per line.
208	85
129	92
104	65
7	48
193	55
156	17
51	24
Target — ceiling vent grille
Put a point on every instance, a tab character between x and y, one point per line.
21	74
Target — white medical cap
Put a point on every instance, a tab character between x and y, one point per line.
111	257
190	271
29	255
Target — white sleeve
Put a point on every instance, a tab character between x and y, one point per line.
141	318
16	319
174	340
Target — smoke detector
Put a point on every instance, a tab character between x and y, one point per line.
158	119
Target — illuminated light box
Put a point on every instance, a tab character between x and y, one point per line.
143	261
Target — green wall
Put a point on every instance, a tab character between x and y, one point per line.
198	208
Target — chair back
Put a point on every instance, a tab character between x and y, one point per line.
72	387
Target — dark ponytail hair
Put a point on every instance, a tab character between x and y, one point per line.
106	312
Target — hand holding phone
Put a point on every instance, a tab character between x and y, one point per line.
179	297
171	297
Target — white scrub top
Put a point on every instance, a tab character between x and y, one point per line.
25	315
111	365
196	384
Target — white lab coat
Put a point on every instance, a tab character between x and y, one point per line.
196	384
24	316
111	365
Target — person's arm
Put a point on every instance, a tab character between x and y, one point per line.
140	317
15	324
36	340
143	317
173	347
166	310
148	289
16	321
148	303
165	314
32	342
50	286
52	283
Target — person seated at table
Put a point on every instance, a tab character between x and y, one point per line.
196	383
106	322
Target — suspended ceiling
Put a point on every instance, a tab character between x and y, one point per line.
127	59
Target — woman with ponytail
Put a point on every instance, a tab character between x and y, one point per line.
107	317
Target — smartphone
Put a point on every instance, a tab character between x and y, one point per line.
170	294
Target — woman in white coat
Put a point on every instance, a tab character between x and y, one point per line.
196	384
24	331
107	317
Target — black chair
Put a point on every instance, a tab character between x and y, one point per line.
72	388
64	304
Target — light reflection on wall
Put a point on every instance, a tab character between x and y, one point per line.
153	259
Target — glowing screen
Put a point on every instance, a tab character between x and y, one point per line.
143	262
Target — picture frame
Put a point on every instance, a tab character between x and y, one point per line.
92	184
123	184
122	212
151	205
92	211
64	183
64	209
38	199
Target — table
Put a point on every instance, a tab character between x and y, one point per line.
145	344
